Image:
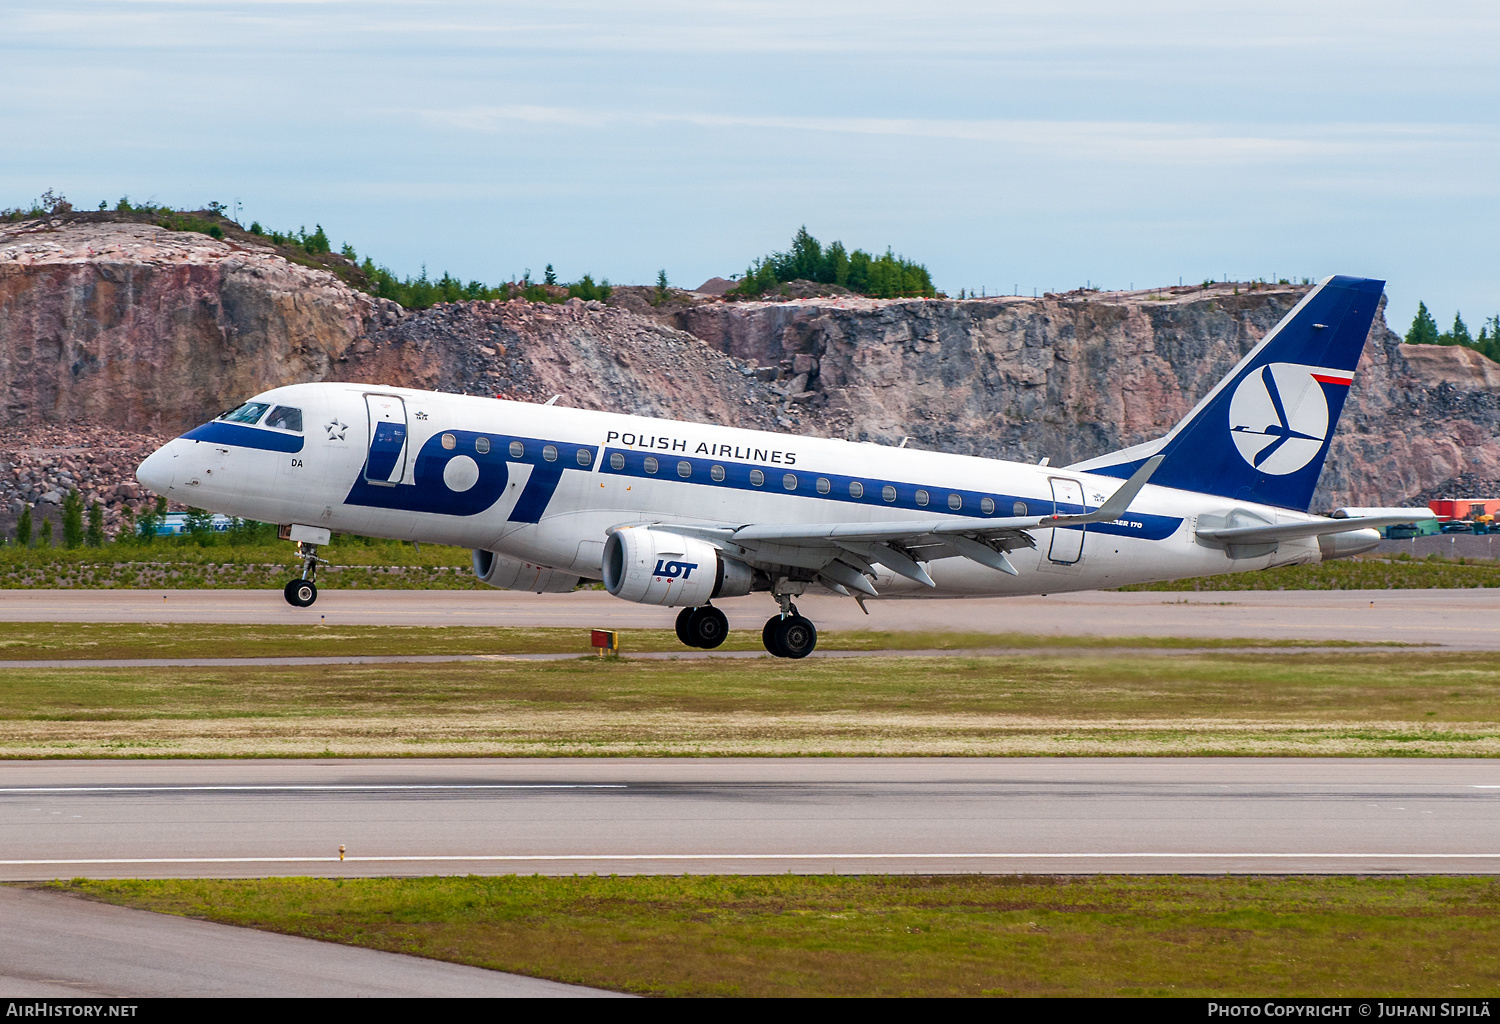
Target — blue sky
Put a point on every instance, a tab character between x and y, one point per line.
1005	145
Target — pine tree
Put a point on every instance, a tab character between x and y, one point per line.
1459	335
46	538
198	523
95	538
550	276
1424	329
661	287
24	528
72	522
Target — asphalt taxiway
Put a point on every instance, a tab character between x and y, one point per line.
1467	619
61	947
670	816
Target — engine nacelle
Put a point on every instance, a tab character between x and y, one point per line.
658	567
508	574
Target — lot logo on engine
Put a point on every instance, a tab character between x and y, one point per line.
673	570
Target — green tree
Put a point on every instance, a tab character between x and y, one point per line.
549	276
72	520
24	528
95	537
45	540
1424	330
151	520
126	532
661	286
1459	335
198	524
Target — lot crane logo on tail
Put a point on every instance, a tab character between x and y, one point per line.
1279	418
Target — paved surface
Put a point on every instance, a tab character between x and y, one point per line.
559	816
59	946
1464	618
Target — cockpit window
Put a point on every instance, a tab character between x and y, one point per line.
285	418
250	412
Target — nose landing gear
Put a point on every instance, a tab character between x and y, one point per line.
704	627
302	592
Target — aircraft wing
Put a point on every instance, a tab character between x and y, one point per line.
843	553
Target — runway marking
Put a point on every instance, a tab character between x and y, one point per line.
554	857
316	787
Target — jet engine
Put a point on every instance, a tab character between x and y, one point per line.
659	567
508	574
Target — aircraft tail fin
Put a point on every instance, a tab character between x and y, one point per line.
1263	432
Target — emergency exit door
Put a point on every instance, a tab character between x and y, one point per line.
1067	499
385	465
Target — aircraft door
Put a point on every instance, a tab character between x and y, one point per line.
385	465
1067	498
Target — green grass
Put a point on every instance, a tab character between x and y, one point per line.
1348	574
1395	703
903	935
184	564
113	640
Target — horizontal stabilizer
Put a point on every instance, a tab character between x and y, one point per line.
1293	531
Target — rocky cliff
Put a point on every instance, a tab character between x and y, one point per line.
147	332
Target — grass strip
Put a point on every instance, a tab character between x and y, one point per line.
1396	703
30	641
895	935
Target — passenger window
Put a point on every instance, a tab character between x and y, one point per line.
617	461
684	469
888	492
549	452
717	473
987	506
250	412
789	481
284	417
823	485
856	489
757	478
650	464
585	457
482	445
955	501
517	450
1018	509
450	442
921	497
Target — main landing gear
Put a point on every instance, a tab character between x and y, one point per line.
789	635
302	592
704	626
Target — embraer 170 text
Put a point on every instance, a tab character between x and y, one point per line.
678	514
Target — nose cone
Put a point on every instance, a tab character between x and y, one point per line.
155	473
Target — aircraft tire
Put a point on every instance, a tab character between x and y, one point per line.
796	636
301	593
683	632
768	636
708	627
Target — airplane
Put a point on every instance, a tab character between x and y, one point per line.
679	514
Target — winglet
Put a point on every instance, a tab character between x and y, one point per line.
1118	502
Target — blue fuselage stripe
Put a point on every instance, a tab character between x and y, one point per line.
238	436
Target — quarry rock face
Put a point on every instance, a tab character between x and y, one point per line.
131	326
147	333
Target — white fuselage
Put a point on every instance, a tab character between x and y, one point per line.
496	488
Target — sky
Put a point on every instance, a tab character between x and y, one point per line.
1007	146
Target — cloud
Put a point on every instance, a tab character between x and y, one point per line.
1124	141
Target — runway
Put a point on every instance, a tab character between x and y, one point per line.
671	816
1468	619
